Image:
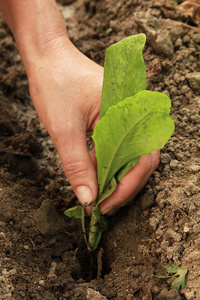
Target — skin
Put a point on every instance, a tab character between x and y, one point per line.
65	87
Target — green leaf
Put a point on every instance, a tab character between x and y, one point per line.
171	269
180	281
176	272
163	276
98	225
108	191
122	172
134	122
75	212
124	71
136	126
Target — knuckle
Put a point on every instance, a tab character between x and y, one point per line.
150	162
75	170
154	161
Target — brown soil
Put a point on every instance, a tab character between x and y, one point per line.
42	253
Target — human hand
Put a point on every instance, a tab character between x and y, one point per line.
76	82
130	185
65	87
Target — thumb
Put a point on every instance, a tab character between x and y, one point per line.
78	166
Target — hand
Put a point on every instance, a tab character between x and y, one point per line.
65	87
66	91
132	183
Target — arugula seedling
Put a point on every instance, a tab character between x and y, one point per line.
176	272
133	122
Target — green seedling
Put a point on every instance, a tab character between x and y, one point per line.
133	122
177	272
174	3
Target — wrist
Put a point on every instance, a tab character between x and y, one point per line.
45	57
37	26
42	42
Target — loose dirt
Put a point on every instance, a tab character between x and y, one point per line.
43	255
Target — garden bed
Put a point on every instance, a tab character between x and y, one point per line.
43	254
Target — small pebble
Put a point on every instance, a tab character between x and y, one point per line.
173	164
186	229
41	282
2	236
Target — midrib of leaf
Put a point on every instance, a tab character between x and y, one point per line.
115	152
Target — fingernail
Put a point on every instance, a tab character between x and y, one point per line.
84	195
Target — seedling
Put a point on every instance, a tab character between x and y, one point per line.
133	122
177	272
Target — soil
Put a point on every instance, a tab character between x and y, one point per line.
43	255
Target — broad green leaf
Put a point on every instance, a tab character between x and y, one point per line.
122	80
124	71
108	191
75	212
122	172
136	126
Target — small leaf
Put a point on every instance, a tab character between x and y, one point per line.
171	269
163	276
176	272
180	281
124	71
75	212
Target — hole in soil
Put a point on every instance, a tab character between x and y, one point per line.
92	264
106	264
